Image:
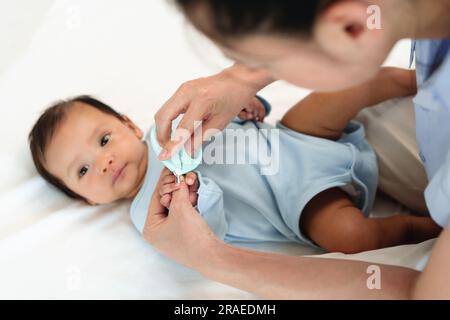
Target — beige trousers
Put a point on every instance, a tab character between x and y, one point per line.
390	128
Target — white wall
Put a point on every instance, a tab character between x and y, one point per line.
19	19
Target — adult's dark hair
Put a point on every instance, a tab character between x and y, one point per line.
237	18
44	128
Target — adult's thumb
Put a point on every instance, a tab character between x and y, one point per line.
156	215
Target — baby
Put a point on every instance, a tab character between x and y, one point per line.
321	193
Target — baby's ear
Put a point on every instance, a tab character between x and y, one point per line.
130	124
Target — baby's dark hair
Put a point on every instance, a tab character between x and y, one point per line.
44	128
237	18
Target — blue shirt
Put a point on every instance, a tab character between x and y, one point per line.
244	203
432	106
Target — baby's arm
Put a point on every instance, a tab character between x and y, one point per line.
328	114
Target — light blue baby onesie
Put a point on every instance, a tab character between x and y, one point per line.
240	204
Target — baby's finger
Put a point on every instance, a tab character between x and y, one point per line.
191	177
168	188
261	119
194	187
248	114
244	115
193	197
258	109
260	112
165	200
256	115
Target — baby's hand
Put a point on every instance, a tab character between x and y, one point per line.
168	184
254	111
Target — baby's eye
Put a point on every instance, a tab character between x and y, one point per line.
83	171
105	139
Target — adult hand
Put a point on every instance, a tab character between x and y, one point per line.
179	233
214	100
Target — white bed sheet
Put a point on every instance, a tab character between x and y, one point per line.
133	55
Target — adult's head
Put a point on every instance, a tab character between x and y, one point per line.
319	44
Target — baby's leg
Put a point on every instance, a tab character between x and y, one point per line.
332	221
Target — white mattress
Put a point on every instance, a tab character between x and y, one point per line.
133	55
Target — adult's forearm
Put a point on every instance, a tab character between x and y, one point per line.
277	276
184	236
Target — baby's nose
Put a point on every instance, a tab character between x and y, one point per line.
105	169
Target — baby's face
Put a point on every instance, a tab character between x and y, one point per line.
97	156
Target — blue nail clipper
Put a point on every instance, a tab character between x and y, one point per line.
180	163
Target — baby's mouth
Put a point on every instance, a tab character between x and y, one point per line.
118	174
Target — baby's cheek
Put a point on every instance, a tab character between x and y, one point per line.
134	151
103	192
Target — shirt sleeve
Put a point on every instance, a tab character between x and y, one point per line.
437	194
210	205
266	105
